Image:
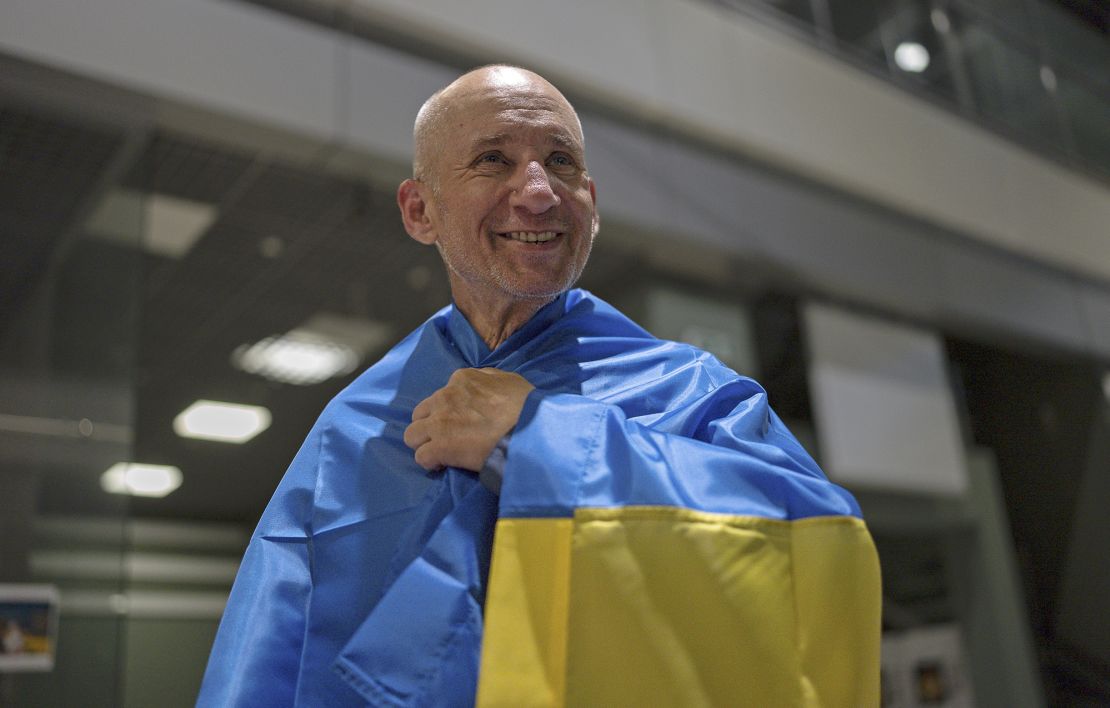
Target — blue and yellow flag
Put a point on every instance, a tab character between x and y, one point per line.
660	539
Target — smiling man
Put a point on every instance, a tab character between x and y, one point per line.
532	501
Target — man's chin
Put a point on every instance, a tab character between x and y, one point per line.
544	290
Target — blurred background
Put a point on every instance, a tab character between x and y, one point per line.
895	214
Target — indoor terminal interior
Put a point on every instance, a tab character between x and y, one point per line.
893	214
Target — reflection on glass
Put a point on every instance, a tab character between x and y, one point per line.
1006	81
798	9
911	57
932	65
1081	46
905	37
857	23
1088	113
1012	17
67	343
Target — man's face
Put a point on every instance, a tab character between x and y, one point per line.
508	197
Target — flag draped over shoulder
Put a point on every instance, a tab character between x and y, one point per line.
660	539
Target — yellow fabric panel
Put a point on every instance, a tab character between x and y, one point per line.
672	607
839	598
664	606
524	637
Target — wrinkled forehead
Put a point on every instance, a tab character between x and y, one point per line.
536	109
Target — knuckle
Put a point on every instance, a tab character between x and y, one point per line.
460	375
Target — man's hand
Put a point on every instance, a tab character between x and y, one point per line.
460	424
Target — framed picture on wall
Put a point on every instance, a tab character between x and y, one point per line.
28	627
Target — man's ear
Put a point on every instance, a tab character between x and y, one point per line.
414	211
596	225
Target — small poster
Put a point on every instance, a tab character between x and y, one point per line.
28	627
924	668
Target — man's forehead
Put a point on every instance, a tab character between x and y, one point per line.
516	127
495	106
507	129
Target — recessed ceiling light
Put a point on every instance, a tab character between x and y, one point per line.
223	422
295	359
911	57
140	480
168	226
325	346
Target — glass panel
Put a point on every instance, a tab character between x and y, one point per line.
917	51
1006	81
1075	42
794	10
1088	113
798	9
68	282
856	23
1010	15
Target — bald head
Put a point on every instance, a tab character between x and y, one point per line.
443	111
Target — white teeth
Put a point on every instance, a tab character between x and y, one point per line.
532	236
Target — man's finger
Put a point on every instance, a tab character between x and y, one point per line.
427	458
417	434
423	409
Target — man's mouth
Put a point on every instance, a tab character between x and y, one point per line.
530	236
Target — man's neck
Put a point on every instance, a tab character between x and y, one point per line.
495	319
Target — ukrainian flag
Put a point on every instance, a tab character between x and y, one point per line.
724	582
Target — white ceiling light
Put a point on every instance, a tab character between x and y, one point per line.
223	422
295	359
911	57
140	480
169	226
325	346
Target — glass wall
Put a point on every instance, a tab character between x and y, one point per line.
1037	71
68	317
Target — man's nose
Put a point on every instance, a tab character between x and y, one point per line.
534	192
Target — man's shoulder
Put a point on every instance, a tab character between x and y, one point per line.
590	315
618	351
381	380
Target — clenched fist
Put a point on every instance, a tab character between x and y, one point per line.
460	424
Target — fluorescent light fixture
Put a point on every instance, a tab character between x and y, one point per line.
296	359
325	346
140	480
911	57
1106	385
170	226
223	422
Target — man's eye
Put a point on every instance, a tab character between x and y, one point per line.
491	158
560	159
